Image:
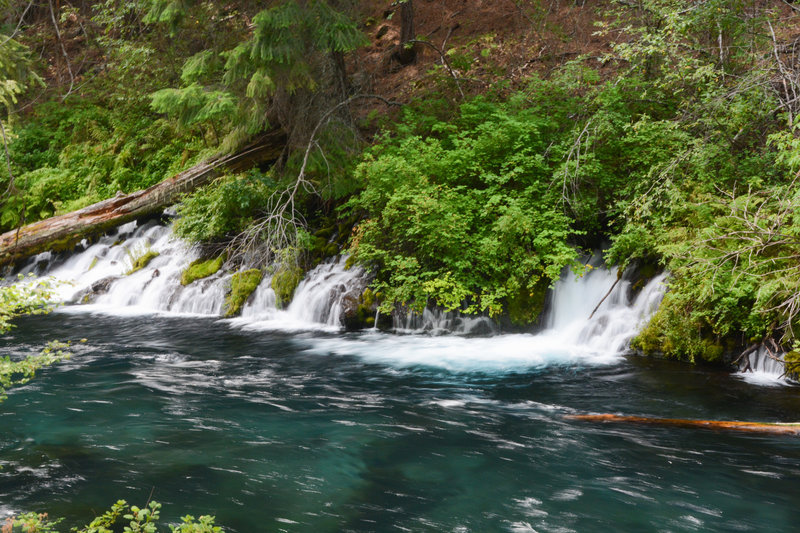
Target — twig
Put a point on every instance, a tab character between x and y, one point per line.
445	62
603	299
63	51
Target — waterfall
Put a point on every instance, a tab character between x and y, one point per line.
617	319
762	367
439	322
96	275
570	337
319	300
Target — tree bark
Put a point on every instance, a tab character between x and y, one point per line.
63	232
749	427
407	49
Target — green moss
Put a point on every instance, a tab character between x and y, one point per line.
363	315
141	261
672	334
325	233
319	245
242	286
200	269
525	307
94	263
331	250
792	363
284	282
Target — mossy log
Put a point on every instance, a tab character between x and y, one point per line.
63	232
727	425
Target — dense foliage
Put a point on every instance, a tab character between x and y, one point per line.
676	146
462	214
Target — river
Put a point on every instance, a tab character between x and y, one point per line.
270	426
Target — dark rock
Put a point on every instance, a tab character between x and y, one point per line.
97	288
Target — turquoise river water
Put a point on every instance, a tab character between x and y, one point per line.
326	432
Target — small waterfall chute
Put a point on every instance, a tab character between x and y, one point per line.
99	273
762	366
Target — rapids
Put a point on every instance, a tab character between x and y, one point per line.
279	421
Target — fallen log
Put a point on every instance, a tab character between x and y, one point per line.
732	425
63	232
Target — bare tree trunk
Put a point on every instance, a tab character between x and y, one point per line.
407	49
734	425
63	232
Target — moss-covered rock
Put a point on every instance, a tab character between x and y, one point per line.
242	286
641	272
791	361
284	282
360	313
201	268
525	307
141	261
325	233
673	335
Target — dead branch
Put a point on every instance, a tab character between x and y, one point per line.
445	62
274	235
63	51
603	299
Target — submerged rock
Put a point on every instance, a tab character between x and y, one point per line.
99	287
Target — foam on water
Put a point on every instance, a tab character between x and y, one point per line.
762	367
572	336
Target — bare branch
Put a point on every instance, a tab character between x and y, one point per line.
272	238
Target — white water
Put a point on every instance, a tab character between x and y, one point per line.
155	288
319	300
570	336
762	368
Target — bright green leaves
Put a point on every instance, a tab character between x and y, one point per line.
286	52
223	208
203	524
130	518
15	71
463	219
194	104
26	298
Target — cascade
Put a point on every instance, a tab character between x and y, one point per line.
761	366
97	273
439	322
319	300
615	322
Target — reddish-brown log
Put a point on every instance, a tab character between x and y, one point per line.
63	232
728	425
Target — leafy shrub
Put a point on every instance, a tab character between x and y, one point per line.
222	208
463	216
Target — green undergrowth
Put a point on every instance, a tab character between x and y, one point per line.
201	268
225	207
242	286
68	156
